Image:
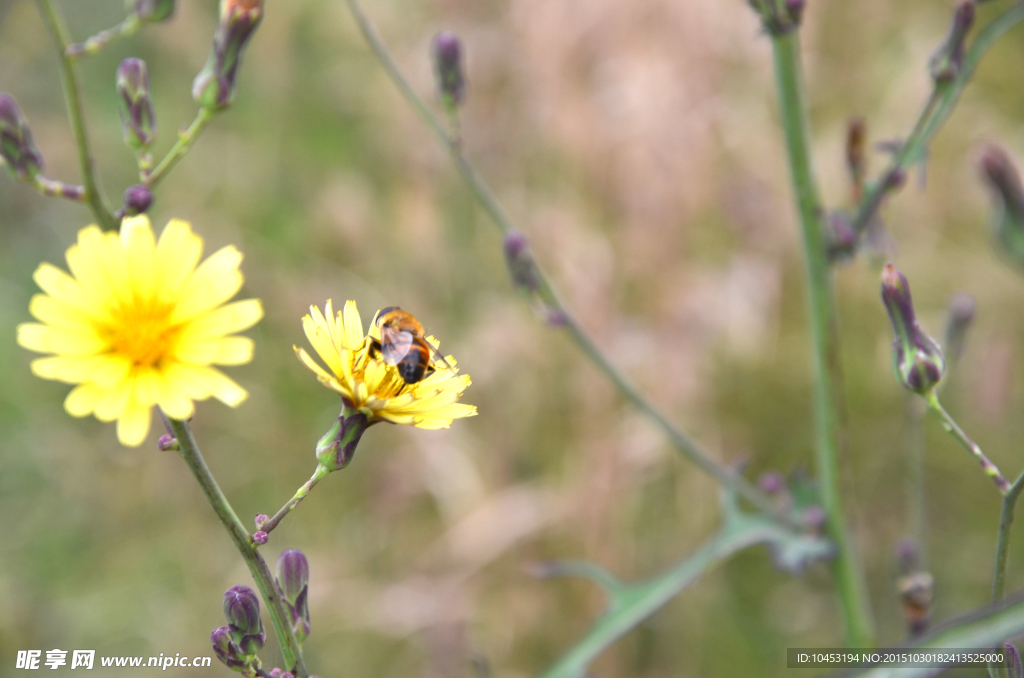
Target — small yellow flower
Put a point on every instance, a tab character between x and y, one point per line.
137	323
370	385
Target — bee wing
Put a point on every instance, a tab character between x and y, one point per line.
395	345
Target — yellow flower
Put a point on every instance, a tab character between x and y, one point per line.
137	323
371	386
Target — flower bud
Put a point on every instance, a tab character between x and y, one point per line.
917	590
1014	666
215	86
961	315
451	82
226	650
16	146
137	118
259	537
293	581
261	520
167	443
151	11
946	62
999	172
336	448
917	358
772	482
137	200
521	265
242	609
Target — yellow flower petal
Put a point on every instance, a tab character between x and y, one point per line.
138	322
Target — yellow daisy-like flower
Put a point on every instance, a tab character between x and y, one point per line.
370	385
139	322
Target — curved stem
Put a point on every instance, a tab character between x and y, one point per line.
991	470
181	147
189	451
689	447
72	97
1003	541
320	473
93	45
828	397
940	104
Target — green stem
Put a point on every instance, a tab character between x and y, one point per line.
689	447
940	104
181	147
318	475
1003	541
189	451
991	470
72	97
58	189
915	420
829	405
93	45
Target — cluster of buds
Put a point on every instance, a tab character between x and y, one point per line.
779	18
138	121
215	86
237	643
945	64
293	582
19	152
917	358
999	172
446	50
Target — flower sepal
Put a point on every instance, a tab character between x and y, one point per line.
337	447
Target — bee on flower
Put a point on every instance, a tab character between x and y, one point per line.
140	322
416	386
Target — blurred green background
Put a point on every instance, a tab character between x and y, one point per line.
637	145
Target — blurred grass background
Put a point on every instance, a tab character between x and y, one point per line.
637	145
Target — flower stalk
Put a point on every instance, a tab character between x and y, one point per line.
72	97
180	149
829	403
990	469
189	451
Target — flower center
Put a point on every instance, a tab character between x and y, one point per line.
142	333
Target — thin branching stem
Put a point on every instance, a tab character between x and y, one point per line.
189	451
683	442
990	469
181	147
320	473
943	99
73	99
1003	541
95	44
828	397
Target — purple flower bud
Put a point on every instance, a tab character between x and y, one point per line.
275	672
451	82
16	146
260	538
287	674
215	86
917	358
226	650
521	265
293	581
137	118
152	10
137	200
961	315
815	518
795	9
946	62
772	482
1000	173
261	520
242	609
1013	662
167	443
336	448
